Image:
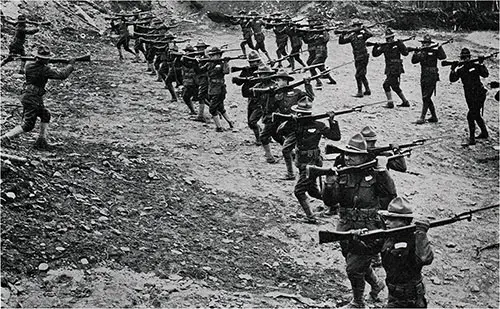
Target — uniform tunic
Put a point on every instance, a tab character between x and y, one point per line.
216	85
358	43
37	76
393	63
429	75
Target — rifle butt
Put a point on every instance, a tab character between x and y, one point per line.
313	171
328	237
331	149
445	63
276	117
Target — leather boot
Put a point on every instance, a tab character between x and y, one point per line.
256	132
358	289
405	102
367	86
484	131
432	109
389	104
304	203
269	156
425	107
360	89
377	285
218	127
472	132
120	54
171	89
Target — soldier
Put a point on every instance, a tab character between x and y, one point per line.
358	42
254	110
217	87
268	105
404	255
174	71
190	90
308	135
124	40
371	138
256	23
281	38
202	82
392	51
37	75
16	47
429	76
296	44
246	30
475	94
360	195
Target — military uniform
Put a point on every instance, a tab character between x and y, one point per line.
393	67
296	44
259	36
124	39
475	93
174	71
201	80
357	40
268	106
308	135
318	51
429	76
360	195
403	257
246	29
190	89
281	40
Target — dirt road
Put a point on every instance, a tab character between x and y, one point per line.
168	212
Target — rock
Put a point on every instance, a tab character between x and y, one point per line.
176	252
218	151
451	245
60	249
125	249
436	280
245	277
43	266
11	195
57	174
475	289
174	277
84	261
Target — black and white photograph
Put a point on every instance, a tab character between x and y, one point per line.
249	154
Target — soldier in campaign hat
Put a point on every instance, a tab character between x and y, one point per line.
37	75
429	76
392	50
16	47
475	94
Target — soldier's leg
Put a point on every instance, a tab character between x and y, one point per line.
357	266
254	113
126	46
214	111
288	147
425	102
300	193
321	56
377	285
397	88
223	112
265	139
362	74
472	127
387	90
296	50
242	46
119	44
187	94
170	88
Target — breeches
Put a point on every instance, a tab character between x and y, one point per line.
305	185
360	65
33	108
269	131
217	104
254	113
392	81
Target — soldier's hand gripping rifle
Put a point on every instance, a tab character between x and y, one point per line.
274	89
222	59
357	29
327	236
433	47
304	69
85	58
330	149
358	108
460	62
313	171
389	44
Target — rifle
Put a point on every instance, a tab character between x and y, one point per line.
85	58
36	23
279	89
326	236
347	31
390	43
316	30
320	64
329	149
460	63
146	35
216	60
429	48
281	117
273	62
313	171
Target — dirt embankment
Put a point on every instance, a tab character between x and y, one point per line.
138	206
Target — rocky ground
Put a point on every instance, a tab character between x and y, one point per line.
139	206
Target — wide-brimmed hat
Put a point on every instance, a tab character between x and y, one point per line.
253	56
356	22
389	33
264	70
201	44
465	52
427	39
43	52
357	144
398	208
283	74
304	106
369	134
214	51
21	18
189	48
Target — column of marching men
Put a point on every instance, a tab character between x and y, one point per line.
358	187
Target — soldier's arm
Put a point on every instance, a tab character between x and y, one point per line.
402	49
417	57
454	75
483	71
368	34
423	250
441	55
377	50
31	30
344	39
58	74
386	189
332	131
309	90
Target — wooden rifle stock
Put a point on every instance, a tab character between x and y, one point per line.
347	31
459	63
327	236
220	59
85	58
330	149
433	47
